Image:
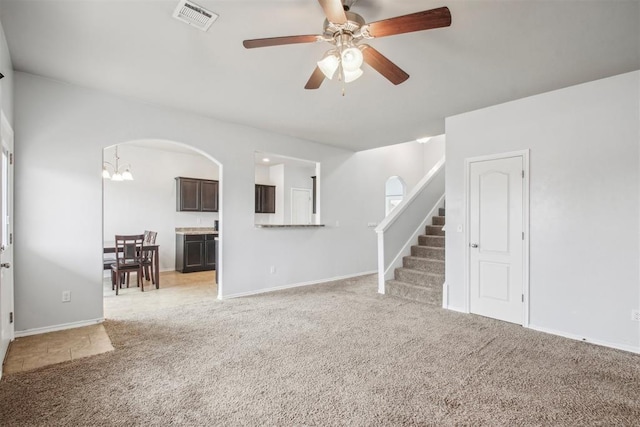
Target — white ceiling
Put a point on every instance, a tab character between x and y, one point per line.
494	51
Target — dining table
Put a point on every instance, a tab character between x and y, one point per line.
152	248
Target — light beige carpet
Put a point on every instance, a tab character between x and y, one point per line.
333	354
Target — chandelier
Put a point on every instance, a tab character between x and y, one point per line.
117	174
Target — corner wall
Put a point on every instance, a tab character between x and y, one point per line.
584	204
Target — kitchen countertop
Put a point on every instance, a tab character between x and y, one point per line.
195	230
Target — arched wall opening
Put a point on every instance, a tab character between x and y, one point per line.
148	201
394	191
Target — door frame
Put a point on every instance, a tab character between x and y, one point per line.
525	219
7	137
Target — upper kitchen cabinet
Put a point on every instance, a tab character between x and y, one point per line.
265	198
209	196
196	195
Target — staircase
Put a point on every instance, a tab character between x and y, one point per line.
422	273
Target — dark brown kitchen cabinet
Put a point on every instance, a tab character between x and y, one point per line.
195	252
265	198
196	195
209	196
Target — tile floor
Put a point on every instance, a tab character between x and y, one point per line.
35	351
176	289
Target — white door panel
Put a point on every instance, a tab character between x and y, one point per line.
300	206
495	234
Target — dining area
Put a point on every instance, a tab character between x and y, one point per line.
132	253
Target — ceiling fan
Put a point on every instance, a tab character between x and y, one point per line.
346	30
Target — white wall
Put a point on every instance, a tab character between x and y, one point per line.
6	84
584	211
149	201
61	131
410	161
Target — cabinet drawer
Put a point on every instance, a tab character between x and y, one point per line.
194	237
209	237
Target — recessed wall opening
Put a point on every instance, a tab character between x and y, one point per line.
152	197
287	190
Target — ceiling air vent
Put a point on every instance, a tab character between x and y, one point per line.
195	15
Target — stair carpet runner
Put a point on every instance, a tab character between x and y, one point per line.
422	273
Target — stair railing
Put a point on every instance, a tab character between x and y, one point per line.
401	228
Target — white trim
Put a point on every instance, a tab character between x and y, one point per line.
381	274
457	309
587	340
406	249
295	285
61	327
445	294
525	219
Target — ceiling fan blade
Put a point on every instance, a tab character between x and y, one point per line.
425	20
277	41
315	80
334	11
383	65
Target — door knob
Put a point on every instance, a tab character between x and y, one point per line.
474	245
5	265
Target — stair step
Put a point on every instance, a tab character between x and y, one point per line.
427	252
435	266
418	278
441	211
437	220
434	230
435	241
432	296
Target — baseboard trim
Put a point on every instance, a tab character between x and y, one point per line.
623	347
295	285
54	328
458	309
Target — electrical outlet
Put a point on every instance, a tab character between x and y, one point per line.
372	224
273	269
66	296
635	315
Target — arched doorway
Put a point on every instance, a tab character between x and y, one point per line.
148	201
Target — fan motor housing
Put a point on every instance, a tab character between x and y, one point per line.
353	24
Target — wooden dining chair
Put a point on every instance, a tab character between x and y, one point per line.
128	259
147	256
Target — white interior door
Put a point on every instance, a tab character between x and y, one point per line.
6	238
496	233
300	206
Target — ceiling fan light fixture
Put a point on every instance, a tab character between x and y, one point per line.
352	59
328	65
350	76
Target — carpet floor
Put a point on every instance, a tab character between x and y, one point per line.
330	354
